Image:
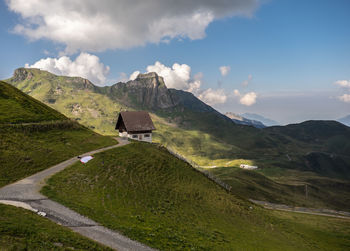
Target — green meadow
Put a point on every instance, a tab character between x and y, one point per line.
149	195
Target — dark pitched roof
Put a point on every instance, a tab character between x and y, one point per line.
136	121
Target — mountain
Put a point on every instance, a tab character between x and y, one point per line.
345	120
265	121
203	135
244	121
328	142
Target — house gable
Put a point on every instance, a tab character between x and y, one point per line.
136	125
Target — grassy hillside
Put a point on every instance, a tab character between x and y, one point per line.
17	107
290	187
46	138
33	137
147	194
23	230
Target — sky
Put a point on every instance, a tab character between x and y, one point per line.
288	60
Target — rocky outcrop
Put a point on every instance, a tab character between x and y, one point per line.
146	91
22	74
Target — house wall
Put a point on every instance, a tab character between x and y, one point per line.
137	136
141	137
123	134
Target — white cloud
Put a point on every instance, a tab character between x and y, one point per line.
89	25
179	77
134	75
85	65
248	99
247	81
236	93
195	85
212	97
343	83
345	98
224	70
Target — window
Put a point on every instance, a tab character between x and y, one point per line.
134	136
147	135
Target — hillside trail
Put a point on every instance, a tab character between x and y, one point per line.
304	210
25	193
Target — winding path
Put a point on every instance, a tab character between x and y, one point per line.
26	194
304	210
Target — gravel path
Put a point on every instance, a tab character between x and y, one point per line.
304	210
25	193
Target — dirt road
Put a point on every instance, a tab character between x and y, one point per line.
26	194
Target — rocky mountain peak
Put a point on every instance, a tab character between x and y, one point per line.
147	90
22	74
150	80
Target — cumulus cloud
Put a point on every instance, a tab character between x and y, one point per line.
212	97
89	25
85	65
177	76
343	83
134	75
248	99
247	81
236	93
345	98
224	70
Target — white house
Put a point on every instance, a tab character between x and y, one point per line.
248	167
135	125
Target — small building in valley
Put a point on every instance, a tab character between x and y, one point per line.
248	167
135	125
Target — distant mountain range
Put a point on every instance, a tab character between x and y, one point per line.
257	117
345	120
244	121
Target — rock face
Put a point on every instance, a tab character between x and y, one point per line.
22	74
147	90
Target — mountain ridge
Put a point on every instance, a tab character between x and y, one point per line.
262	119
345	120
244	121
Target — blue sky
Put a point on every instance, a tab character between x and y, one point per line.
288	53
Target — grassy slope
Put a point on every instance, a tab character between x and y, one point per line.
17	107
23	230
144	192
25	153
321	192
33	137
35	145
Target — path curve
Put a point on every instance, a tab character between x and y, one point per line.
25	193
304	210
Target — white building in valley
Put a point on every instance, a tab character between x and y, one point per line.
248	167
135	125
